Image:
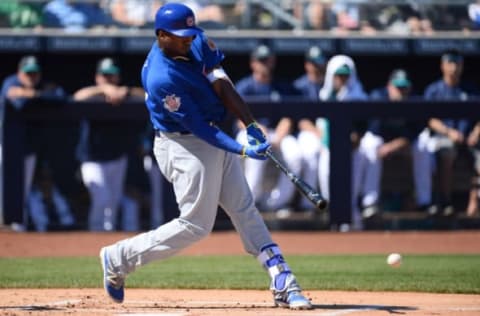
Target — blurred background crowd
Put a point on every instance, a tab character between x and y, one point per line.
101	175
340	16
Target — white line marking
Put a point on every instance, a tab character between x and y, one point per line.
150	314
62	303
347	311
203	303
464	309
230	303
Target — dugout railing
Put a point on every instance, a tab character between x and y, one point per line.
340	115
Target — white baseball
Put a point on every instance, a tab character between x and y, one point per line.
394	260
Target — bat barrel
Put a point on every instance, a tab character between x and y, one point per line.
321	204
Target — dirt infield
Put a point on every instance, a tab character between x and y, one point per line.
238	303
231	303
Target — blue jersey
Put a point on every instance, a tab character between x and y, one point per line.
249	87
309	90
439	90
379	94
177	91
391	128
47	92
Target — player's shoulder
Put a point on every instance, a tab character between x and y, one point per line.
379	93
434	87
8	82
244	81
11	79
167	81
437	84
300	81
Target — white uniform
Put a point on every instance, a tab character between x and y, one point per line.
283	191
352	91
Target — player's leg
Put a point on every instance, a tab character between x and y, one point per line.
283	192
62	208
236	199
254	170
130	214
309	144
115	172
422	174
445	159
196	181
358	168
157	216
29	166
37	209
30	161
369	146
324	172
474	198
93	177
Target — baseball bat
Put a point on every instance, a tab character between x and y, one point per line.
312	195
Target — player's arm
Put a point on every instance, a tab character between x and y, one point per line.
218	138
189	117
438	126
16	95
226	92
474	136
87	93
228	95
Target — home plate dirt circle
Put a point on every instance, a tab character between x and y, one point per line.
230	302
175	302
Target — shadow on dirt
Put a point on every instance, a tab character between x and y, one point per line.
32	308
387	308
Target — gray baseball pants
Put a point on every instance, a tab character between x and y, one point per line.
203	177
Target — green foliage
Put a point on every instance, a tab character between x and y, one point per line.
432	273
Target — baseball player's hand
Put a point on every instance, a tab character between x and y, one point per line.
255	134
257	151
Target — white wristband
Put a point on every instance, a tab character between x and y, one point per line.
217	73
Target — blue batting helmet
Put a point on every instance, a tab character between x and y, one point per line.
176	18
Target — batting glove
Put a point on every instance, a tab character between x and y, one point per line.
255	135
257	151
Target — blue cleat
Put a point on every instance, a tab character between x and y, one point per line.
113	283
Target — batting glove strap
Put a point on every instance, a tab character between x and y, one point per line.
257	151
255	135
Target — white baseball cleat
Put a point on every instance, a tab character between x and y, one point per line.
112	283
293	300
292	296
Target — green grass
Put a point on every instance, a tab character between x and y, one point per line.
427	273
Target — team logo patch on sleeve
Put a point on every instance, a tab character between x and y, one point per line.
171	102
211	45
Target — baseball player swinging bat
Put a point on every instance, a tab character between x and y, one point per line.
301	185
